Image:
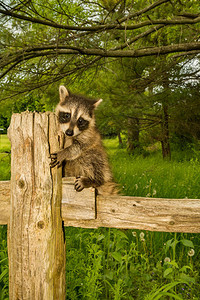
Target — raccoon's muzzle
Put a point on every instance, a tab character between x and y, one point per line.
69	132
70	129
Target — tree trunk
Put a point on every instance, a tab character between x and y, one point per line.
133	134
120	139
36	238
166	152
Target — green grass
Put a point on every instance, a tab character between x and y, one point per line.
4	157
119	264
151	176
129	264
4	175
4	143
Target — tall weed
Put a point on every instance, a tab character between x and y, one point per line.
120	264
4	275
4	157
129	264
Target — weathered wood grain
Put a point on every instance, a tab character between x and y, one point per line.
36	241
77	205
169	215
4	202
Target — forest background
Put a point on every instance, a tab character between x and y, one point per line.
142	59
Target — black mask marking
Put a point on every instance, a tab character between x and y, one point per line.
64	117
82	124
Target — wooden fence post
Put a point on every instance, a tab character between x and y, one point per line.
36	238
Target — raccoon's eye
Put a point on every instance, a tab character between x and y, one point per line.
67	116
82	124
64	117
80	121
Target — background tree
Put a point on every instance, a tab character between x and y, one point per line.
144	53
45	41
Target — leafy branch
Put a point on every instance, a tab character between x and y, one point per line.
49	50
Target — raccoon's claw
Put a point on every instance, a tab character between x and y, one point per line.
78	184
54	162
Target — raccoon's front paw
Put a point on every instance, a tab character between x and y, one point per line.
78	185
55	160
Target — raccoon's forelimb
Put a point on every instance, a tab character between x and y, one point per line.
78	185
57	158
54	161
70	153
83	182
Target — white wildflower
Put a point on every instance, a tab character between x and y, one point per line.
154	192
134	233
191	252
141	235
167	259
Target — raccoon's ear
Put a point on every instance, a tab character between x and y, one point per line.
96	104
63	92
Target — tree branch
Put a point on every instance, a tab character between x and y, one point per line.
139	36
27	54
66	49
33	85
142	11
118	26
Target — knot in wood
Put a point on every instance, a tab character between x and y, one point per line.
40	224
171	223
21	183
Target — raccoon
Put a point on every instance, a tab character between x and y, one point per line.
83	154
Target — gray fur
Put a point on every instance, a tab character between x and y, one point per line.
83	154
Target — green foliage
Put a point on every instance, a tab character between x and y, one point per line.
3	124
4	166
31	103
4	175
149	176
109	263
163	292
155	92
4	277
4	143
134	264
116	264
4	157
126	264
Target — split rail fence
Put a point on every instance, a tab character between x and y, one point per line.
37	202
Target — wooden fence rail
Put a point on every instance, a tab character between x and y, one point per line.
37	200
154	214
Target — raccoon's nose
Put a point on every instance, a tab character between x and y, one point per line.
69	132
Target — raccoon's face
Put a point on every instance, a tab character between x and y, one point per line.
75	113
73	120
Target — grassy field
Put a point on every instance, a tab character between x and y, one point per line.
129	264
4	175
152	176
4	157
4	143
